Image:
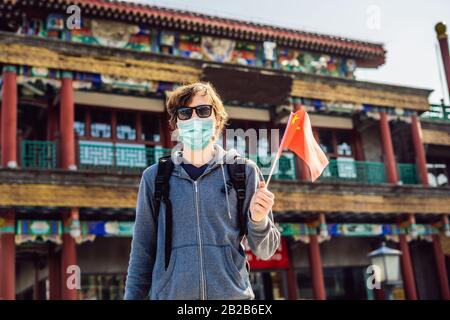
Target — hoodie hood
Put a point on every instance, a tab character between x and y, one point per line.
221	157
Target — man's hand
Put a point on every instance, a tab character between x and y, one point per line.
261	203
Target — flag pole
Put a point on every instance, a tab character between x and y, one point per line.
280	149
273	166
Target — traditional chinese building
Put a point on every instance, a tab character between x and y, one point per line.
82	115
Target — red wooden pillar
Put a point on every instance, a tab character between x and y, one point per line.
359	150
421	161
66	123
7	257
423	172
315	265
36	279
441	31
138	116
9	118
68	256
54	272
379	294
441	269
87	131
114	125
409	283
388	149
52	120
165	132
292	281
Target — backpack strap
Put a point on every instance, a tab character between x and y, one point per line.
161	193
236	171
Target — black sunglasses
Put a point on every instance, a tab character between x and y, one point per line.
202	111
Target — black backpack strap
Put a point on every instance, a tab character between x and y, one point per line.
236	171
162	188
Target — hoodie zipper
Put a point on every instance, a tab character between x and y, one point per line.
200	245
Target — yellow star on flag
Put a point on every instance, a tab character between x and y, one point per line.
295	120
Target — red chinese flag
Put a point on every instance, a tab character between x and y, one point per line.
299	138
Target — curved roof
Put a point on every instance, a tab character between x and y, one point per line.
367	54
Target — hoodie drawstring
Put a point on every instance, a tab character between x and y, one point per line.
226	190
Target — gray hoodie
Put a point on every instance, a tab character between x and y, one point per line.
207	260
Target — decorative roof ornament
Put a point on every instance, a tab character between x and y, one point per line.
441	30
269	50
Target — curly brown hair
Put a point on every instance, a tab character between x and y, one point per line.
183	95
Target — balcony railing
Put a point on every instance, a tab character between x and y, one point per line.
122	158
38	154
408	173
116	158
354	171
286	166
366	172
437	112
107	157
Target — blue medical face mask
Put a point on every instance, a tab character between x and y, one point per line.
196	133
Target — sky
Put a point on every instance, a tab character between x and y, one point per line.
406	28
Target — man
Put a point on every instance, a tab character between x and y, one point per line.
203	257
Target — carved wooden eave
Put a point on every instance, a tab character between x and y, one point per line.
361	92
91	59
61	188
436	137
436	132
363	199
51	53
